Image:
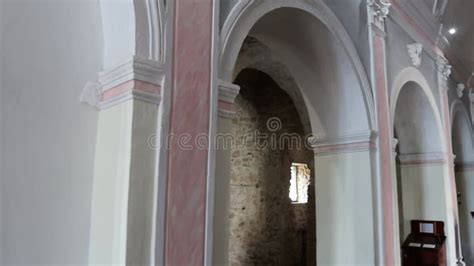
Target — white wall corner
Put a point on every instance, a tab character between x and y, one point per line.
359	141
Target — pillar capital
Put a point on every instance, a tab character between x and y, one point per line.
361	141
378	12
444	68
227	94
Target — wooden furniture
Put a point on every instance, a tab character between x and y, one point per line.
425	246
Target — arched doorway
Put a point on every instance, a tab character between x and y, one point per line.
304	49
464	172
272	214
423	185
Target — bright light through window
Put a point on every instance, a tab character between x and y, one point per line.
299	183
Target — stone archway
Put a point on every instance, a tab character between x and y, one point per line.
422	169
337	101
267	227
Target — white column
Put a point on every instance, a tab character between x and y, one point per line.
465	185
124	184
224	141
386	249
345	170
398	240
452	226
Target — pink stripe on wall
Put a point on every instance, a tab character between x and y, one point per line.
225	105
128	86
190	112
385	148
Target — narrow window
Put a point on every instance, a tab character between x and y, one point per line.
299	183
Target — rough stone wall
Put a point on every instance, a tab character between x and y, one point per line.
265	228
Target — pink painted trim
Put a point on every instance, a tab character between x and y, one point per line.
128	87
227	106
147	87
385	136
349	147
185	214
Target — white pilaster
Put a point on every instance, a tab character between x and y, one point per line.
227	94
122	216
345	171
452	230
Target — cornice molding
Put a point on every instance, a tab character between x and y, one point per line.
422	158
227	94
138	79
137	68
133	89
228	91
361	141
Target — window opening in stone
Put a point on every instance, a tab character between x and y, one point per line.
299	183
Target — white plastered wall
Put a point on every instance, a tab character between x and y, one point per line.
124	185
118	23
464	151
423	187
50	49
344	210
111	185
